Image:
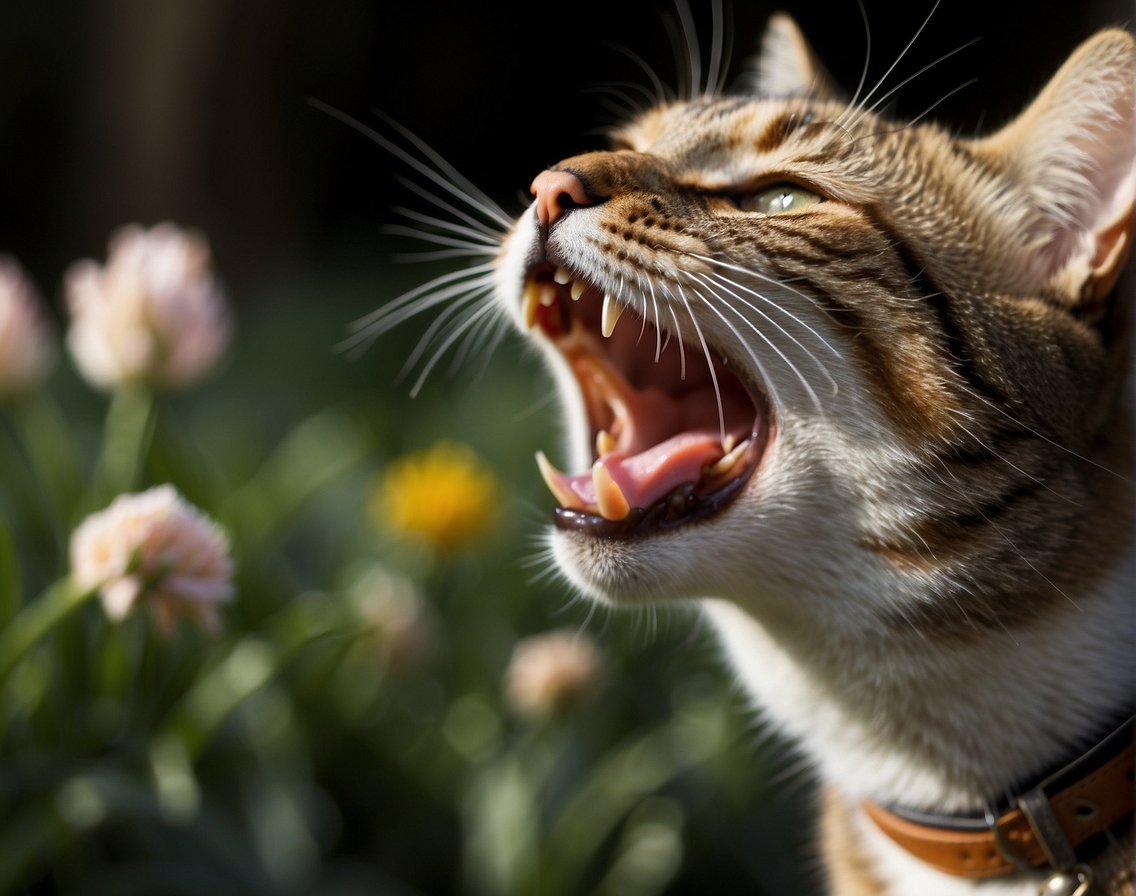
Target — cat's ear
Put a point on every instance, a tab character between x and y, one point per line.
786	66
1073	151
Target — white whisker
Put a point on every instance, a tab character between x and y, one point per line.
883	99
765	338
854	109
475	237
446	176
709	364
465	325
421	298
766	379
451	209
438	239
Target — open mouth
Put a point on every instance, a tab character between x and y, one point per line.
675	434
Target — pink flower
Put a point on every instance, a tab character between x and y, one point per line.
26	347
155	548
550	672
154	313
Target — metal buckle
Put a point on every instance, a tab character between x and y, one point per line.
1003	847
1054	843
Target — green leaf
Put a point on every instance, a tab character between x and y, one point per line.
9	575
36	620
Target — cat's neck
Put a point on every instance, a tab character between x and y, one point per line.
949	727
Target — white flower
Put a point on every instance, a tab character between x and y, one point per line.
153	547
155	313
551	671
26	347
391	605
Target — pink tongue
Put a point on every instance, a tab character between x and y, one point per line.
646	477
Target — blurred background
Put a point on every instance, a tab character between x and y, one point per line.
354	730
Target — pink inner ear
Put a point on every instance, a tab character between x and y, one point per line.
1073	152
1114	246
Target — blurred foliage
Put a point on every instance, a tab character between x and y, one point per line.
348	731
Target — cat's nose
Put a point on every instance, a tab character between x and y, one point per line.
556	192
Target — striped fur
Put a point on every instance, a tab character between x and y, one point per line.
928	579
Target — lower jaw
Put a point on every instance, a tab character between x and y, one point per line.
686	504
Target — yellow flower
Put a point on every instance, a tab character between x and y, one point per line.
445	496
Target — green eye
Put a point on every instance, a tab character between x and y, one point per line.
778	199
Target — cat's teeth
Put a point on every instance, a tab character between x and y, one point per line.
612	310
730	460
609	496
577	290
565	497
562	276
547	295
605	443
530	303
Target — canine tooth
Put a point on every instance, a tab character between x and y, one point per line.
530	302
609	496
562	276
605	443
730	460
547	295
612	310
577	290
565	497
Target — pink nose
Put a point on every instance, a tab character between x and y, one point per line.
555	192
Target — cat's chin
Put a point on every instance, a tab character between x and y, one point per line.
671	432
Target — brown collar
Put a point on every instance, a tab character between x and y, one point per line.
1044	826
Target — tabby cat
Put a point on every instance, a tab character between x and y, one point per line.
859	387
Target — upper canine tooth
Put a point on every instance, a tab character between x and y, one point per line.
609	496
530	302
612	310
547	295
577	290
562	276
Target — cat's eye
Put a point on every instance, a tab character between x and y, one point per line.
779	199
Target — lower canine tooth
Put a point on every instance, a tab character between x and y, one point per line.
612	310
605	443
729	461
564	496
609	496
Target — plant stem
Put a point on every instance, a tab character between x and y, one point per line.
36	620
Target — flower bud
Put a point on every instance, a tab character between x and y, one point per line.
551	672
153	314
26	346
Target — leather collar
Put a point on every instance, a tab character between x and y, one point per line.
1053	823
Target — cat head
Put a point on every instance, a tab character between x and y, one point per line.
830	365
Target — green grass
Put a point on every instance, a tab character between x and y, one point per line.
292	753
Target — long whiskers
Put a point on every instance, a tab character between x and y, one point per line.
443	174
855	109
716	294
709	364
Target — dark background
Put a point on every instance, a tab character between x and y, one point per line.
196	110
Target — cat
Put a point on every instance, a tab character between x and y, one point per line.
858	387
